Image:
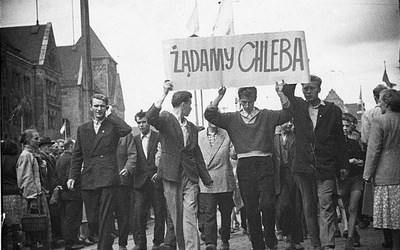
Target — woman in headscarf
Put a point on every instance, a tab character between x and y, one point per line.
29	166
382	165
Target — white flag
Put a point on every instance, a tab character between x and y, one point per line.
64	126
193	22
80	73
224	23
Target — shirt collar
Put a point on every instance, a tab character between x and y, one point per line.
98	122
145	135
182	121
253	113
321	103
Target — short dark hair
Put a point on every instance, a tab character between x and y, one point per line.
350	118
378	89
100	97
392	98
179	97
248	92
346	117
140	115
316	79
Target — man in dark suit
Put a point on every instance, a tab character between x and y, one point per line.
148	189
96	148
126	159
71	200
181	165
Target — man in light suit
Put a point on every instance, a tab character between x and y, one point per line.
94	162
181	164
148	188
217	150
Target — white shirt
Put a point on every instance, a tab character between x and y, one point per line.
183	122
145	142
97	125
313	112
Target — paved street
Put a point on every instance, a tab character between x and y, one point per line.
371	239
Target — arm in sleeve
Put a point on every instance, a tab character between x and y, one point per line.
77	159
131	153
123	128
213	115
203	172
153	117
26	177
375	143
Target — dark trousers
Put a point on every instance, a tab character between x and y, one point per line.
257	186
289	208
146	197
209	203
71	214
99	205
122	212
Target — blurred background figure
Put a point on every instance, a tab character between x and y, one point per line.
29	166
382	164
12	201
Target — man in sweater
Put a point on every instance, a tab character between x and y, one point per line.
318	158
252	133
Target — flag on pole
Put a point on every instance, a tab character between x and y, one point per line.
224	23
80	73
385	79
193	22
15	112
64	126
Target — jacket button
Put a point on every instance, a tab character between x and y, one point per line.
101	156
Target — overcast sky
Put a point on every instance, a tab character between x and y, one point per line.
347	40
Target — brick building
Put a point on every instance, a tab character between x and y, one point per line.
30	81
74	92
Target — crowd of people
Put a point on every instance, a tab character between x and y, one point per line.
292	174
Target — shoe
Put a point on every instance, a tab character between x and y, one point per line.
298	246
122	248
85	242
224	246
345	233
93	239
364	223
337	234
356	239
164	246
211	247
155	247
73	247
349	244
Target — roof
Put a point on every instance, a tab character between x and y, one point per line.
27	42
70	56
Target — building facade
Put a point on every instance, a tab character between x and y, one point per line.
30	81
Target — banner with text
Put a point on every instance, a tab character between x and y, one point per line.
236	61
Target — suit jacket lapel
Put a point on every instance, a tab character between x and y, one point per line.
100	134
219	139
178	131
151	143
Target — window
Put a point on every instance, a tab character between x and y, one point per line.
52	119
27	85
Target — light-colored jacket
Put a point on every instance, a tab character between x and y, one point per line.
217	160
28	176
383	151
